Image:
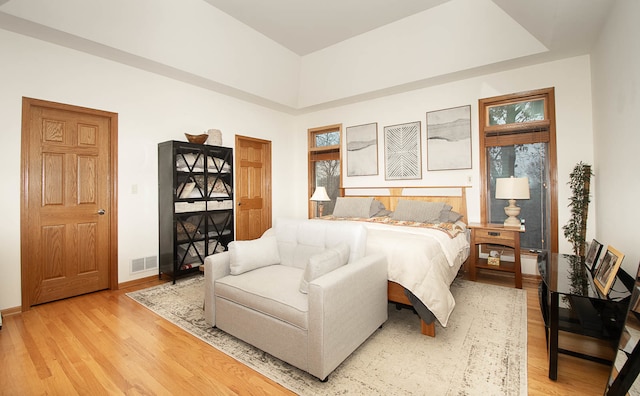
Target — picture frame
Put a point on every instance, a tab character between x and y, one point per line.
591	259
362	149
449	139
607	270
402	152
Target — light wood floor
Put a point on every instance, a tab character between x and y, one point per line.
105	343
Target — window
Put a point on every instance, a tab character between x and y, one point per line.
517	138
324	165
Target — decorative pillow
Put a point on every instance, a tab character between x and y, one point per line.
184	230
249	255
353	207
220	187
343	251
189	160
449	216
376	208
214	185
419	211
383	213
195	162
184	190
323	263
215	164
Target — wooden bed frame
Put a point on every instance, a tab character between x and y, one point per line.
389	196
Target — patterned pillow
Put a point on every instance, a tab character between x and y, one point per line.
214	185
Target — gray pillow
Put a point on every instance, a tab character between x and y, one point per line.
377	207
353	207
422	212
449	216
383	213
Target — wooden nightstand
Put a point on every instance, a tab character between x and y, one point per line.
495	234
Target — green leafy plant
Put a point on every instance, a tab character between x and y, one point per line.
576	229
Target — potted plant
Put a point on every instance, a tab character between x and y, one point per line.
576	229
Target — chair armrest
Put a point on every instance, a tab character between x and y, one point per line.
345	307
216	266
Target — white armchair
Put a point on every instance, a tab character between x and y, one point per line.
264	306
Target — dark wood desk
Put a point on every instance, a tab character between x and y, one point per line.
582	309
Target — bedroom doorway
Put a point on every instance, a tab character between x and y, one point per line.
253	187
68	210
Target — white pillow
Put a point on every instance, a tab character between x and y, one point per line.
323	263
249	255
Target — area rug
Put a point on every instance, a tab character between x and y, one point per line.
482	351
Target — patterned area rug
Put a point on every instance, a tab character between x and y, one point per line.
483	350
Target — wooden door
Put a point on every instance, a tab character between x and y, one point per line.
252	187
68	215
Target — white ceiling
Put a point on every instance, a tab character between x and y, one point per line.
305	26
181	40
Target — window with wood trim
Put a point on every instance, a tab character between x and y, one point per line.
324	165
518	138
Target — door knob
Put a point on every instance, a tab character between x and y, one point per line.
101	212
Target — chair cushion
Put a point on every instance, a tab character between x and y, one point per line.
298	239
323	263
248	255
271	290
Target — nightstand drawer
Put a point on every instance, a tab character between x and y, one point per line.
494	235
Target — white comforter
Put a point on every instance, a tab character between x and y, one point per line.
423	260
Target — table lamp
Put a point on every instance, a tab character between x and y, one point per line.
512	188
319	196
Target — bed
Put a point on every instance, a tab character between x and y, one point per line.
423	259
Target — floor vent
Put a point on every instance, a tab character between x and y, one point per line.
144	264
137	265
150	262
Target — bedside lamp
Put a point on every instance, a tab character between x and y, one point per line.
512	188
320	196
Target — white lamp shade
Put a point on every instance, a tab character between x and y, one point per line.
512	188
320	195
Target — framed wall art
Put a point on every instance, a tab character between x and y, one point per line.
402	156
362	150
449	138
607	270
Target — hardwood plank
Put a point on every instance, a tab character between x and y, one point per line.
105	342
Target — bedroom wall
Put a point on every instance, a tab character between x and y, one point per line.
616	92
151	109
186	39
571	79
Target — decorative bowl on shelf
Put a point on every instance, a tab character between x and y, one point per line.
197	139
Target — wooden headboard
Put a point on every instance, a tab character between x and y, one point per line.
389	196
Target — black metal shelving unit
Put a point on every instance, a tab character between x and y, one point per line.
195	205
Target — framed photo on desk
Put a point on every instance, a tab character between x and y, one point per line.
607	270
593	254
